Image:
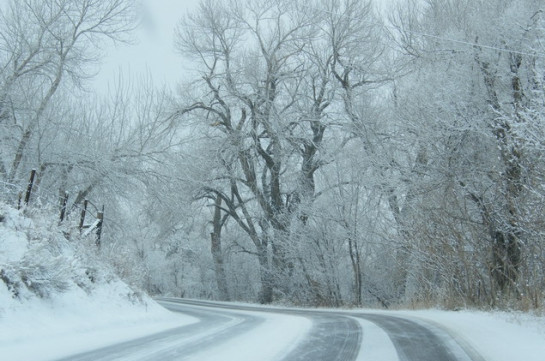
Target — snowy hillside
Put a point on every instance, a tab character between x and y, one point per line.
52	285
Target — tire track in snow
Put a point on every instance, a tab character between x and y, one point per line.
177	343
333	337
416	341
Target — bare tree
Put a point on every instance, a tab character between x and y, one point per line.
477	170
45	43
273	76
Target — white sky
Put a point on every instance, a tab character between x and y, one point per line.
153	52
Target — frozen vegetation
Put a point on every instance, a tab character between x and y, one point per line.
58	297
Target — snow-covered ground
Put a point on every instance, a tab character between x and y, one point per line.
496	336
68	326
73	323
55	301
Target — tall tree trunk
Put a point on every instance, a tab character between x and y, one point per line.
356	268
217	253
27	134
505	232
266	292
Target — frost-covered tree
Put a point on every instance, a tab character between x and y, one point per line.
47	48
281	90
473	105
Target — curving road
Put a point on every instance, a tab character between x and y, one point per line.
333	336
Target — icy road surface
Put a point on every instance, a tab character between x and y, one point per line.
238	332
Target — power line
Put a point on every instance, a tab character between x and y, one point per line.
507	50
446	39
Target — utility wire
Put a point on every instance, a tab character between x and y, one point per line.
507	50
446	39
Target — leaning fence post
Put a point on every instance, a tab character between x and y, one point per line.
100	217
63	206
82	217
30	184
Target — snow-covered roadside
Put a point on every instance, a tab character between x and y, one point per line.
72	323
57	298
496	336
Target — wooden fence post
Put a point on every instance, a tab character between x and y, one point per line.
82	217
19	199
100	217
64	200
29	187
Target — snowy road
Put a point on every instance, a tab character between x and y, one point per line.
332	337
238	332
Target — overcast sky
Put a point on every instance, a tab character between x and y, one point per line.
154	51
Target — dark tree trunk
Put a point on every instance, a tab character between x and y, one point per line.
217	253
506	258
266	293
505	231
356	268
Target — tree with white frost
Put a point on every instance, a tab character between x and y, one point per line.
474	103
280	91
46	46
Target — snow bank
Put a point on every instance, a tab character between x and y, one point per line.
53	286
496	336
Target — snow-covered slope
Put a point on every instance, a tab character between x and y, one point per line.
54	286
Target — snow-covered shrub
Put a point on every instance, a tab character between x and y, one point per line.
36	258
41	259
10	282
